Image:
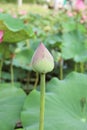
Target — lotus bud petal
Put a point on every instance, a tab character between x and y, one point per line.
1	35
42	61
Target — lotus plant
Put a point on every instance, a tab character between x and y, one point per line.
42	62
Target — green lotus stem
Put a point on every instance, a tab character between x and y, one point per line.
83	108
12	74
76	67
82	67
36	80
28	78
42	102
1	65
61	72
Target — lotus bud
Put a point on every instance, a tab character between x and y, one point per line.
42	61
80	5
1	35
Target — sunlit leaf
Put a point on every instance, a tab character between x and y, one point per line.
14	29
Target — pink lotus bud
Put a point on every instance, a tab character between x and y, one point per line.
42	60
1	10
80	5
22	12
1	35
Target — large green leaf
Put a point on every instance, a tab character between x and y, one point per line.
65	108
12	23
14	29
74	47
11	102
